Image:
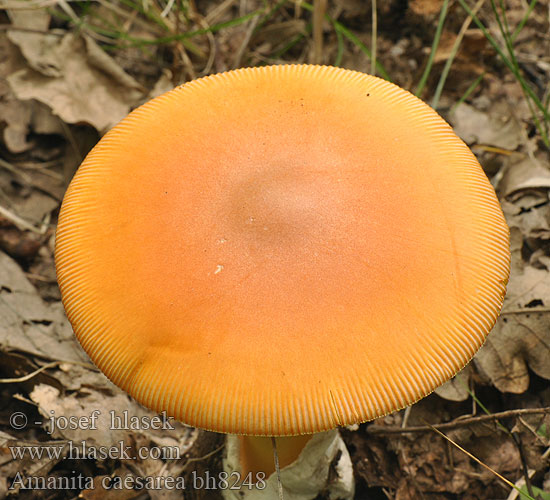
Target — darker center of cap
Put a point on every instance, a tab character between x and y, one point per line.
278	205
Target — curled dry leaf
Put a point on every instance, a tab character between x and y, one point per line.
117	417
521	337
120	424
477	127
14	113
29	324
526	174
21	117
37	466
456	389
77	80
162	85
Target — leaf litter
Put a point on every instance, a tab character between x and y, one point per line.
60	91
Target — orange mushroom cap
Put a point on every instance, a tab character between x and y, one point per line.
281	250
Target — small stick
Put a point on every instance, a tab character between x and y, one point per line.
373	39
277	468
516	436
378	429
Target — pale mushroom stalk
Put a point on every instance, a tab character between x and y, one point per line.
256	452
315	247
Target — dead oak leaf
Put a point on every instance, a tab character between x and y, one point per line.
521	336
477	127
28	323
80	83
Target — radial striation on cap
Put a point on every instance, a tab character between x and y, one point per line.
281	250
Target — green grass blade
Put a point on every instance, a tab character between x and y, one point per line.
269	15
283	50
469	90
360	45
340	48
435	44
521	24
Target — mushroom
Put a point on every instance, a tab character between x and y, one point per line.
280	251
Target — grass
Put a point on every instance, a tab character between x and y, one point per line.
539	110
435	44
176	22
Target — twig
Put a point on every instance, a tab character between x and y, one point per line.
525	310
9	27
218	11
319	9
204	457
202	21
516	436
249	32
373	39
28	376
167	9
24	378
381	430
22	224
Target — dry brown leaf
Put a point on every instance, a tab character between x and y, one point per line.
521	337
119	423
526	174
34	205
477	127
30	325
26	466
23	117
119	418
98	491
38	19
472	44
17	115
162	85
456	389
14	113
75	78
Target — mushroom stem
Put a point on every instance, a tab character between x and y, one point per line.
256	452
307	466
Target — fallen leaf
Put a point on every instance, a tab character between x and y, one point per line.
13	112
521	337
162	85
456	389
526	174
477	127
26	466
118	418
29	324
73	76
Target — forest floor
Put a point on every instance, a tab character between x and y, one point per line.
71	70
